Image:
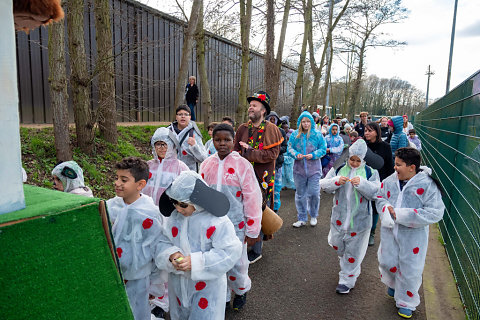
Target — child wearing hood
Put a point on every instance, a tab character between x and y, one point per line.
408	202
399	138
68	177
307	146
335	146
197	246
287	171
230	173
136	225
413	138
353	184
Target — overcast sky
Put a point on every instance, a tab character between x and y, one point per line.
427	31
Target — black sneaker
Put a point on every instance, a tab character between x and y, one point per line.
343	289
239	301
227	305
253	257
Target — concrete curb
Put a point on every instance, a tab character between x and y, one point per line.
442	300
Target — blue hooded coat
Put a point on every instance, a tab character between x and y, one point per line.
399	138
313	144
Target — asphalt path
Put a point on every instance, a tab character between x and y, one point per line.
298	274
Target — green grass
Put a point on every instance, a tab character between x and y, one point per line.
39	158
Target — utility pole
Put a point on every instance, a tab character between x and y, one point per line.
429	73
451	47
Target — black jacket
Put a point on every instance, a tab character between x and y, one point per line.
191	93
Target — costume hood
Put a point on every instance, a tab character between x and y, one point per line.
167	136
309	116
358	148
330	130
397	124
71	175
273	114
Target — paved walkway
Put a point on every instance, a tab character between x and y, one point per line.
297	276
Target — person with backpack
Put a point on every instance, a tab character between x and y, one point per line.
354	184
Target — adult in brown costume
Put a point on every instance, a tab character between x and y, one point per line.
259	142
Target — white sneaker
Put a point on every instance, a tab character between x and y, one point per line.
299	224
313	222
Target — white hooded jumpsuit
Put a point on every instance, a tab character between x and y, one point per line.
192	156
404	241
234	177
74	186
214	249
351	219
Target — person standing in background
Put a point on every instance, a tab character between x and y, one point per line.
191	95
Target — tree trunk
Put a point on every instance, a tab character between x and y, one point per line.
301	66
205	92
358	80
107	112
79	77
58	90
182	76
245	22
269	59
278	60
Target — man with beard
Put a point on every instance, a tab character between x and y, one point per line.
259	142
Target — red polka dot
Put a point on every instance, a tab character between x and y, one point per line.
203	303
402	305
335	247
200	285
388	194
239	193
149	175
351	260
184	152
420	191
381	276
409	294
174	231
241	288
416	250
147	223
203	176
415	210
119	252
241	225
338	222
231	170
361	199
336	183
353	234
250	222
336	202
209	152
179	303
393	269
383	210
160	298
381	186
379	197
210	231
351	275
232	278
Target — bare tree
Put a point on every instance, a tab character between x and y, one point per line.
58	90
245	22
186	53
200	39
79	76
370	15
107	112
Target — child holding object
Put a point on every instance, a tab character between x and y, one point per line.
233	175
354	184
136	225
198	245
68	177
408	202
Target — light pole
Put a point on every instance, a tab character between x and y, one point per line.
451	47
429	73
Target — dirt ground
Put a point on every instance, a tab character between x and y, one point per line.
297	276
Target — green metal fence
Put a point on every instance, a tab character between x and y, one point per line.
449	131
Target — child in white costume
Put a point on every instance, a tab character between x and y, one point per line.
354	184
233	175
136	228
164	167
409	200
197	247
68	177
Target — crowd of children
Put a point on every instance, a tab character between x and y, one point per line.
181	237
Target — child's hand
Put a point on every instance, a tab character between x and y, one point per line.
342	180
355	181
173	258
244	145
309	156
191	141
185	264
300	156
392	212
251	241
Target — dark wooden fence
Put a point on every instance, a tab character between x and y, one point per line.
147	47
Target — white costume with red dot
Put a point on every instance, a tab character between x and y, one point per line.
351	219
192	156
234	177
136	231
214	249
404	242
